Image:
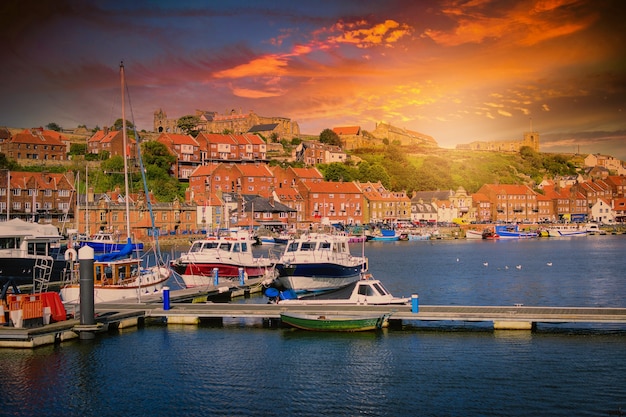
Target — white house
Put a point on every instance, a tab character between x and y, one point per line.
603	212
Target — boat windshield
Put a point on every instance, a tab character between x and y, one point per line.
9	243
307	246
381	290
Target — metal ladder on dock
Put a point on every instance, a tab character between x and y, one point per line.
42	273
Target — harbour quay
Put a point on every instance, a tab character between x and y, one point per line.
120	315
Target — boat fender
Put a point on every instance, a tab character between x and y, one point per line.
71	255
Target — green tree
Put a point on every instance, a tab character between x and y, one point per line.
155	153
336	171
329	137
189	124
118	125
53	126
78	149
6	163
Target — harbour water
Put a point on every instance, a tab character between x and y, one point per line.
450	369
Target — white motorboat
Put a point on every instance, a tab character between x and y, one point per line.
366	291
231	255
318	262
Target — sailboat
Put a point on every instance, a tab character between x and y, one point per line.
118	275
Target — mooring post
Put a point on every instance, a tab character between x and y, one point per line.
166	298
87	310
415	303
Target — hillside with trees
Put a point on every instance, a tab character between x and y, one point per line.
441	169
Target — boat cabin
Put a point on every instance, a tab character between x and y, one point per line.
116	272
224	244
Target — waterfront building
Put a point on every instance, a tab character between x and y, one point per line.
384	206
331	202
511	203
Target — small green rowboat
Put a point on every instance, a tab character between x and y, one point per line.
335	323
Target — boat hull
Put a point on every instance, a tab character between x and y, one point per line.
317	276
331	323
19	271
566	233
149	284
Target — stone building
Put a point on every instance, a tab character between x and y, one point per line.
232	121
531	139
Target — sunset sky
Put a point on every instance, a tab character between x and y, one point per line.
459	71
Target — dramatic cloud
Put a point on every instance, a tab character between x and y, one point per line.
456	70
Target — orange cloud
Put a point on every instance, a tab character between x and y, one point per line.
268	64
521	25
386	33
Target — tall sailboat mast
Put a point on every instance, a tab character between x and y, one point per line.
125	145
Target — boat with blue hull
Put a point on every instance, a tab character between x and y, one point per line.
106	242
318	262
511	231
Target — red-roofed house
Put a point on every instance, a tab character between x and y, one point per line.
34	144
186	150
235	148
350	136
617	184
511	203
48	197
385	206
111	141
339	202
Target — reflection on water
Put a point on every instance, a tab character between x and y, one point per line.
244	369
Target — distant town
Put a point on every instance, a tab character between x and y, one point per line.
244	177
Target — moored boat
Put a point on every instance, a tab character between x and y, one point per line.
30	253
117	280
318	262
335	323
511	231
566	230
384	235
366	291
105	242
228	254
473	234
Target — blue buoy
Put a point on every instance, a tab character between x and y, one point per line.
216	279
166	298
415	303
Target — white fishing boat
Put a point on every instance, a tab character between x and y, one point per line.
118	275
566	230
318	262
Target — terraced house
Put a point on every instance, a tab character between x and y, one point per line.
35	145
